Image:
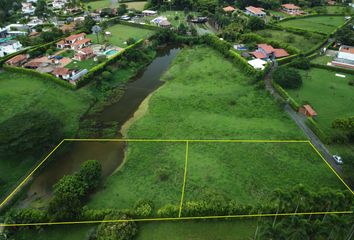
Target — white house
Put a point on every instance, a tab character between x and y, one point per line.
345	57
255	11
59	4
291	8
149	12
28	8
9	47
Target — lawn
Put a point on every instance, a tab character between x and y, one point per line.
330	96
20	93
300	42
206	97
322	24
345	10
323	59
108	3
198	230
86	64
121	33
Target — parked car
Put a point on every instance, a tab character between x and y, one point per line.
337	159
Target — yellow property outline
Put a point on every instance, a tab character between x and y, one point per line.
7	199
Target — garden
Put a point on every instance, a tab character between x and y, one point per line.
120	34
321	24
302	42
138	5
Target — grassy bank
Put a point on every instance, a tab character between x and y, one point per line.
21	93
108	4
323	24
206	97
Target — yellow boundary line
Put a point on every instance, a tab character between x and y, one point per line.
183	186
184	179
29	175
330	167
173	219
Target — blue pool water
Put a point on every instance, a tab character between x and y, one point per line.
111	52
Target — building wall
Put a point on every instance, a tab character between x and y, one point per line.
345	55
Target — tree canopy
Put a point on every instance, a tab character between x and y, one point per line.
287	77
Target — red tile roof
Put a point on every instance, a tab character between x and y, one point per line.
61	71
17	59
76	36
309	110
255	10
290	6
83	41
229	9
61	42
347	49
279	52
87	50
267	48
258	54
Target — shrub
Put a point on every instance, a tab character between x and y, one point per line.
106	75
143	208
130	41
287	77
118	230
301	63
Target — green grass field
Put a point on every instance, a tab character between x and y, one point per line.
20	93
121	33
330	96
345	10
298	41
108	3
206	97
323	24
86	64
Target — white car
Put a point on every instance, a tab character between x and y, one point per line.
337	159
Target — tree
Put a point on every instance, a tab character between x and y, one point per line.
42	9
345	35
116	231
287	77
301	63
96	30
256	23
87	24
122	9
29	133
90	173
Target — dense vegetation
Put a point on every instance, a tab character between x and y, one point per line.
287	77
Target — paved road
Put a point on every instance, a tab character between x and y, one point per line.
300	121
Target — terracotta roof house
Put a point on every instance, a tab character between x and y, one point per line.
307	110
63	73
35	63
18	60
81	43
255	11
71	40
345	57
68	27
229	9
291	9
84	54
266	51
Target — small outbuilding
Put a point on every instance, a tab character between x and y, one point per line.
307	110
229	9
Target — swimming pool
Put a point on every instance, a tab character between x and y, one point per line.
110	52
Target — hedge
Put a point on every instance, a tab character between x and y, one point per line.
44	76
333	69
286	60
101	66
317	130
284	94
116	20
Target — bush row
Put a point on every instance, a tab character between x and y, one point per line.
99	68
284	94
44	76
311	123
333	69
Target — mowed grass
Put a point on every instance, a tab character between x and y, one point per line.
207	97
298	41
121	33
330	96
246	171
108	4
152	171
198	230
322	24
20	93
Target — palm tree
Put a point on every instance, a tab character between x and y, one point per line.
96	30
298	229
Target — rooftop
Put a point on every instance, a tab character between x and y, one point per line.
255	10
290	6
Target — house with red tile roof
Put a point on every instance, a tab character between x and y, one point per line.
345	57
18	60
255	11
307	110
229	9
291	8
84	54
266	51
76	41
63	73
